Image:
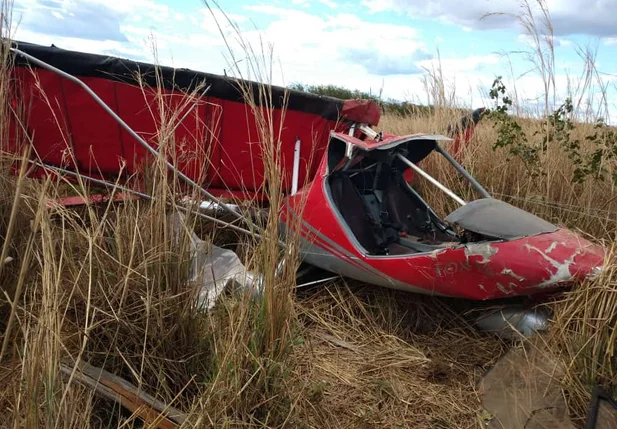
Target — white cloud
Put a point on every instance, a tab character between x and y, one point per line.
70	19
376	6
471	63
88	19
302	3
334	48
305	43
591	17
530	41
107	47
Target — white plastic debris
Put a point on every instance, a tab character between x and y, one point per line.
214	268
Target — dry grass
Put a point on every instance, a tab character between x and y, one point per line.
110	285
585	336
375	358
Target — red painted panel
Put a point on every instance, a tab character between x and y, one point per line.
240	161
138	108
218	144
42	101
95	133
213	113
242	148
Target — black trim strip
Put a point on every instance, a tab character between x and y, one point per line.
82	64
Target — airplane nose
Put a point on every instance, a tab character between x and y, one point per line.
556	259
589	262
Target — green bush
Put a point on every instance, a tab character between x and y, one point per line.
593	158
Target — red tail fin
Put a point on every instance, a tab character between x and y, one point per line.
464	130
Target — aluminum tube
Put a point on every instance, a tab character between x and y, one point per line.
431	179
463	172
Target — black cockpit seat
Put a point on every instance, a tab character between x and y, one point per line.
349	203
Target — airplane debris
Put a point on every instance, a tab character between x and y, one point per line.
602	412
349	193
513	322
214	268
151	411
522	391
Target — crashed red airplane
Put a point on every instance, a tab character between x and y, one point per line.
359	217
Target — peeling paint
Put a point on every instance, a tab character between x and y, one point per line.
563	269
436	252
554	245
509	272
504	290
550	248
455	268
482	249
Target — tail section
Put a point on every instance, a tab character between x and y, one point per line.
462	131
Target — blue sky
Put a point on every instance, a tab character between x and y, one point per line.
389	45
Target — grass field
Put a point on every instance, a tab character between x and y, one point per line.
110	286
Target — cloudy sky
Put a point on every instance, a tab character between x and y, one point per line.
377	45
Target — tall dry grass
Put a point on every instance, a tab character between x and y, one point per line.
585	337
109	285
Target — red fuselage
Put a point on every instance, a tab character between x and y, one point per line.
478	271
